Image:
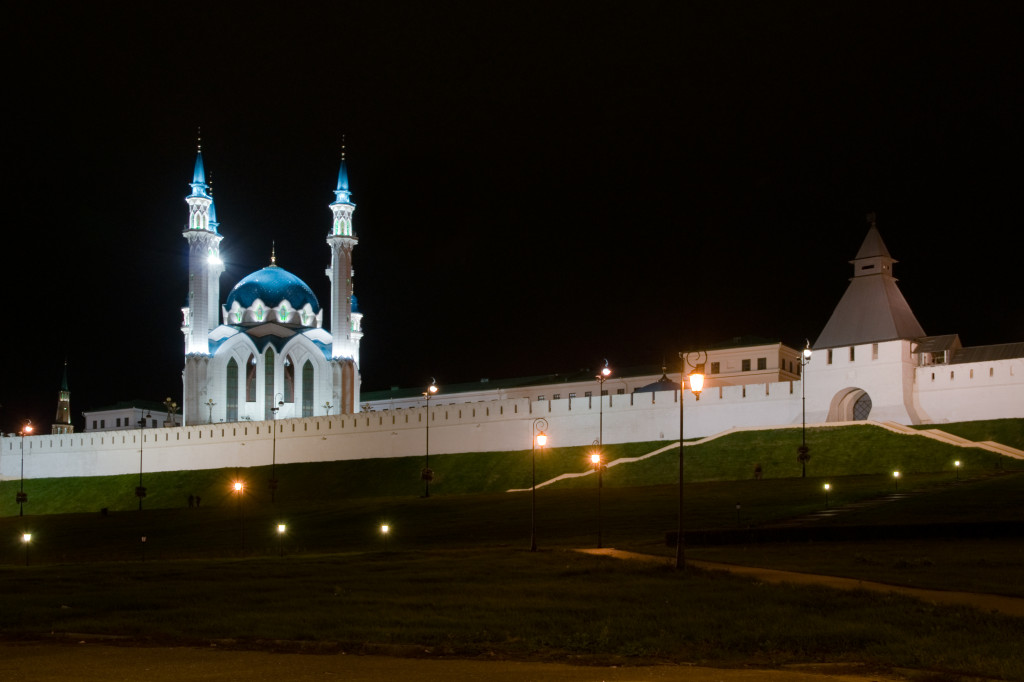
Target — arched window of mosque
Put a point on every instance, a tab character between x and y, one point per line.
307	389
282	313
289	380
250	379
231	397
259	313
268	383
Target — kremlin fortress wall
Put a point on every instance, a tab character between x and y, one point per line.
958	392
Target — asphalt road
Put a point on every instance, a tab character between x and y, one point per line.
91	662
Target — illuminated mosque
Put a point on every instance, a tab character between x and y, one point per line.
264	353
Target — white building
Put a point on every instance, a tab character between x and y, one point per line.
264	353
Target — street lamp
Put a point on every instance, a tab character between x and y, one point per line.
140	492
896	477
25	539
210	404
427	475
957	465
602	375
696	360
802	455
827	488
595	459
239	487
539	438
172	409
384	530
327	407
281	528
273	451
21	498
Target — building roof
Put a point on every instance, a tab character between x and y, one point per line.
1002	351
272	285
873	308
937	344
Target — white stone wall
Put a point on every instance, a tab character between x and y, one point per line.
507	424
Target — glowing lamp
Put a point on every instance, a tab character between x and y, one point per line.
26	538
605	371
214	259
432	388
828	487
28	428
956	463
281	528
238	486
385	528
595	459
807	353
697	382
542	439
895	474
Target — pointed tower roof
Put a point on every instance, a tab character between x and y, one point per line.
873	308
342	194
64	380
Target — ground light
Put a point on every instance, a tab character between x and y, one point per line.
827	486
281	528
384	530
956	465
896	478
26	538
21	497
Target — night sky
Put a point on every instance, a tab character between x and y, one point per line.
540	186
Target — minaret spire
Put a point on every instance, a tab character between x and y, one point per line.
201	314
346	330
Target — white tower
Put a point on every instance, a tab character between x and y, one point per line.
200	315
345	326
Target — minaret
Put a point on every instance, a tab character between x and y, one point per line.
204	269
63	421
345	334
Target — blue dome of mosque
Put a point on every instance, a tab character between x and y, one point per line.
273	285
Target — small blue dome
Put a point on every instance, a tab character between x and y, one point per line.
273	285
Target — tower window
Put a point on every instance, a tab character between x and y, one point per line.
762	363
828	357
874	351
852	355
745	365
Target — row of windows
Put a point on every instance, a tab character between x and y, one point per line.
829	356
586	394
991	373
127	422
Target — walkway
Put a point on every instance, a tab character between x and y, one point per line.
1013	606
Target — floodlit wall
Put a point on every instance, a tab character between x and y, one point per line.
499	425
970	391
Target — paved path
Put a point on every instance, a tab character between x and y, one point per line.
1013	606
85	662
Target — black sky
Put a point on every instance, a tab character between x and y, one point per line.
539	186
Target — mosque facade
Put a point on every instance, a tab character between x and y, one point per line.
263	352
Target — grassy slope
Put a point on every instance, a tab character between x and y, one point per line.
835	451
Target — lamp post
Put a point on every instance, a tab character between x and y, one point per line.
21	498
803	451
384	530
210	404
327	407
827	488
239	487
273	451
427	475
696	360
140	492
172	409
26	538
601	376
896	478
538	438
956	464
595	459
